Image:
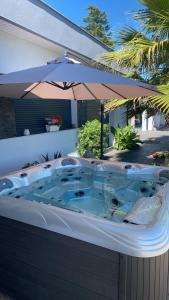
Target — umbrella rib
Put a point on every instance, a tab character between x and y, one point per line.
124	96
114	91
90	91
64	87
74	84
55	84
143	87
30	90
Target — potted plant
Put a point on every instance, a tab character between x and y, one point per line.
161	157
53	123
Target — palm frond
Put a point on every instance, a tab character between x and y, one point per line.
126	34
152	104
161	101
116	103
145	51
155	17
155	13
138	52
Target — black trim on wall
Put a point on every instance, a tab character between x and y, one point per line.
31	114
87	111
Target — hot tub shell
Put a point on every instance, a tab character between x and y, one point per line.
51	253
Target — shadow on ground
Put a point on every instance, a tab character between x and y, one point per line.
5	297
142	154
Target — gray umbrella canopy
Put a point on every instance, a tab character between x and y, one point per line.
64	79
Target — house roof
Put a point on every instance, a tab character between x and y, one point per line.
37	18
60	16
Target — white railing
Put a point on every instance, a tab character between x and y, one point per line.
16	152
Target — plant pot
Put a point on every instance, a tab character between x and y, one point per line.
159	161
52	128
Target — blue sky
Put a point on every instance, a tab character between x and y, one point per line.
117	10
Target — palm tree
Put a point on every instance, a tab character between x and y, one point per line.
144	53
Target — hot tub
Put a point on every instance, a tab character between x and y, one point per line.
85	229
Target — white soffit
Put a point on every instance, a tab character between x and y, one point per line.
41	20
28	36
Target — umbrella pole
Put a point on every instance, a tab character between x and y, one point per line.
101	133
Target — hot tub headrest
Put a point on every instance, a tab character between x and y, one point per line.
164	173
68	161
5	183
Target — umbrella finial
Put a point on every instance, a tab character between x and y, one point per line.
65	53
64	59
61	59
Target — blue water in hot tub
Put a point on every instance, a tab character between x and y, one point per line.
102	194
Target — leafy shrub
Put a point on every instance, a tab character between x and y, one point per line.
89	139
125	137
46	157
57	155
32	164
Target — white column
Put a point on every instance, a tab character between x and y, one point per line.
74	113
159	120
144	121
110	134
132	121
151	123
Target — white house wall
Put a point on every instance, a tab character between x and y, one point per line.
37	17
18	54
117	118
159	120
31	33
154	122
16	152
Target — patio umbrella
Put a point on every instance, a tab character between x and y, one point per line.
64	78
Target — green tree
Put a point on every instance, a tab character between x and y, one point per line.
146	51
98	25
